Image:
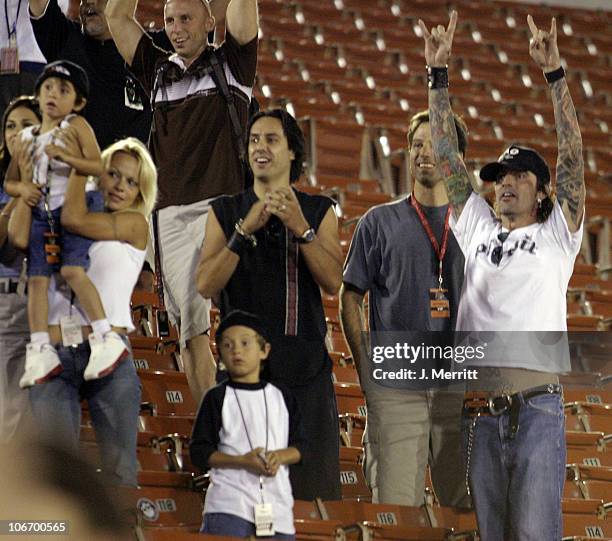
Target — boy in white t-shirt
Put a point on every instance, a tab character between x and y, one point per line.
247	432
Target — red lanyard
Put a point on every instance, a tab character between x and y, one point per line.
440	251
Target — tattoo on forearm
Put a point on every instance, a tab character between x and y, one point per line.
446	149
570	163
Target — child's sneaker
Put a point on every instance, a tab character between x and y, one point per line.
41	364
106	354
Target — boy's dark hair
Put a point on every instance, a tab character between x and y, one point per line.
77	100
293	133
460	127
69	71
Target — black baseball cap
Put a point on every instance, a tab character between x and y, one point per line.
64	69
517	158
240	317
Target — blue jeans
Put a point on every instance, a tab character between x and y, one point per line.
74	248
226	524
114	404
517	484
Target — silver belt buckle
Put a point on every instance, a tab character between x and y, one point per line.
495	411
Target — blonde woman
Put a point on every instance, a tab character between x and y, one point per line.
129	187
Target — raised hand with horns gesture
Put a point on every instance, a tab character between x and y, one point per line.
439	42
543	46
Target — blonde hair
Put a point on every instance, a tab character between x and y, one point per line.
147	172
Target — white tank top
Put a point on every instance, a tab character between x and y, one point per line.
50	172
114	270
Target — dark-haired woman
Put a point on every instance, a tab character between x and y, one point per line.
14	333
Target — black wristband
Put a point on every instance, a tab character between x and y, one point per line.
437	77
238	244
553	76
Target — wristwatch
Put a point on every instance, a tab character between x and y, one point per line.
307	236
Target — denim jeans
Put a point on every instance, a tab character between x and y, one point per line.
114	404
15	415
517	484
74	247
232	525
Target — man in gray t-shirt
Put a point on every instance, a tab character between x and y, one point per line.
395	257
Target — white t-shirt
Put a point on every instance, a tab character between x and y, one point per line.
114	269
52	173
503	304
234	418
526	291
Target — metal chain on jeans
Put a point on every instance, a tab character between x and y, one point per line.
469	453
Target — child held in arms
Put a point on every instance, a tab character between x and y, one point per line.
46	156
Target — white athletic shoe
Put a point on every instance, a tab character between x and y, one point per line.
41	364
106	354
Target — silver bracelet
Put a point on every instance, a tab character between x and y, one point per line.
250	237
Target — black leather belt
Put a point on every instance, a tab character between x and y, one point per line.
482	403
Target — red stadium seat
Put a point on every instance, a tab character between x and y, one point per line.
166	507
167	393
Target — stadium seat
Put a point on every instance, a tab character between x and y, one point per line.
590	395
351	429
306	510
350	399
369	531
458	520
589	417
318	530
146	359
353	483
352	455
167	393
345	374
585	518
165	506
350	512
589	482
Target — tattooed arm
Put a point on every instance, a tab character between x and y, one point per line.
571	191
443	133
446	150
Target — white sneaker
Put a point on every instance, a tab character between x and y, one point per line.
106	354
42	363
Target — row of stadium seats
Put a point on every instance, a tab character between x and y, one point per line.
169	498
